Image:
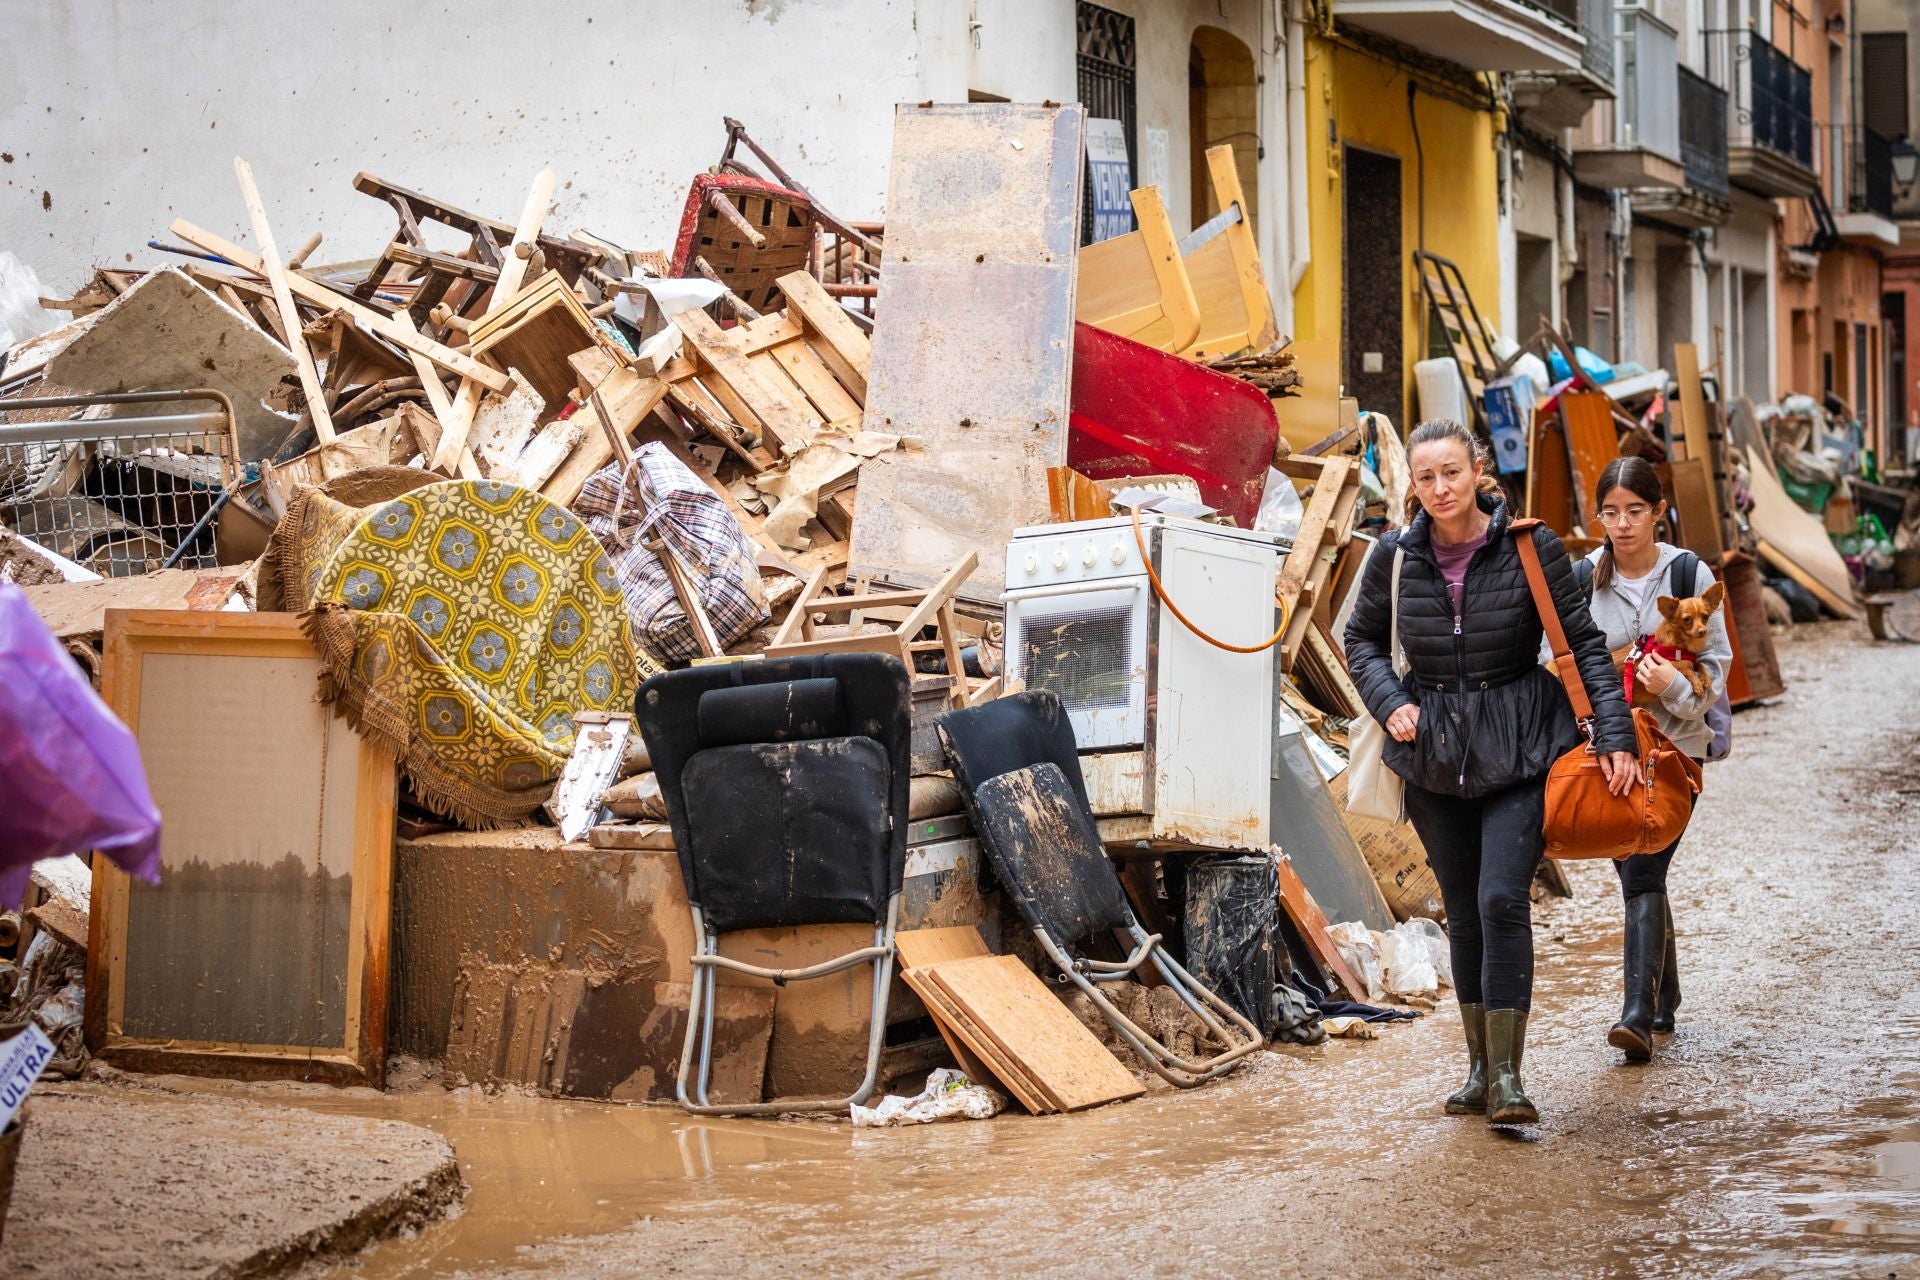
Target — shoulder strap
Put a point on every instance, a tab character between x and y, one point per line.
1398	651
1550	619
1583	574
1682	572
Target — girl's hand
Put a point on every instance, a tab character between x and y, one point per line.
1404	723
1656	673
1622	772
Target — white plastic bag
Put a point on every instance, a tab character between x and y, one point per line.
949	1095
1414	959
1359	946
1280	507
21	315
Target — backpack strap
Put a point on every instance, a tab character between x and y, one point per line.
1682	572
1549	612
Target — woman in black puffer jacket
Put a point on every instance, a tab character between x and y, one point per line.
1475	725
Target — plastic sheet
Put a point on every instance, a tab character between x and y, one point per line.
70	773
1280	507
949	1095
1232	905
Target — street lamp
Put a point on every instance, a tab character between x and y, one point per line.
1906	163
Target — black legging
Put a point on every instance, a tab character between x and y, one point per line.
1483	851
1647	872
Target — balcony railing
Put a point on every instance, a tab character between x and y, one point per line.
1596	24
1770	97
1703	133
1860	172
1568	11
1647	55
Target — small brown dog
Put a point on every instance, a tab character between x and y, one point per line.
1679	638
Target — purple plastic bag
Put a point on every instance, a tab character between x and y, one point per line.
70	773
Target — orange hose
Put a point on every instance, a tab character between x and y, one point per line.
1141	541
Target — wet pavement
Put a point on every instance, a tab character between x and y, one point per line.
1777	1133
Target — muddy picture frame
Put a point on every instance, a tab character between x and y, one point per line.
351	972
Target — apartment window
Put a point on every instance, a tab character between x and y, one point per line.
1105	69
1883	83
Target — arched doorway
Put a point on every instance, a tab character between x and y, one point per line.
1222	107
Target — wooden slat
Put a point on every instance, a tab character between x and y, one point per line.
839	341
1312	924
1030	1025
283	300
809	372
782	427
333	300
513	270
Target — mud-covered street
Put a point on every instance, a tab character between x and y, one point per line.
1777	1133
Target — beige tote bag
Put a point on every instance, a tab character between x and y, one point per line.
1373	790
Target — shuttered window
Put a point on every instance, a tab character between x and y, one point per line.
1883	83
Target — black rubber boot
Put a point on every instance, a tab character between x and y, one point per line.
1668	1001
1507	1103
1471	1098
1644	947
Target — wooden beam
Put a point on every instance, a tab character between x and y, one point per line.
283	300
332	299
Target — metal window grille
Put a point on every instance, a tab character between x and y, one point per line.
1106	72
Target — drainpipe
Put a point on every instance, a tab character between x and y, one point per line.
1300	249
1276	162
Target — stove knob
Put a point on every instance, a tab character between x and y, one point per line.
1119	554
1087	557
1060	558
1033	563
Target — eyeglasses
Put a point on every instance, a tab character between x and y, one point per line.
1632	515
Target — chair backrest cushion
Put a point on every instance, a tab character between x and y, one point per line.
802	803
790	833
1011	733
1046	850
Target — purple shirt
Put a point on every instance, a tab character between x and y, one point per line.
1452	558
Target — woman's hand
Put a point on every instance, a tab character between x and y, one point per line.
1404	723
1656	673
1622	772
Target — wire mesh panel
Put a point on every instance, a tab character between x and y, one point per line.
118	495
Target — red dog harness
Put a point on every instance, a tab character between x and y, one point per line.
1648	645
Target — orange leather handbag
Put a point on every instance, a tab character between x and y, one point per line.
1584	819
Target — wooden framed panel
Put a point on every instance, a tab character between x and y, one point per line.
263	951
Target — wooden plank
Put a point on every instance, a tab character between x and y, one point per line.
838	340
513	270
283	302
920	947
809	372
1692	485
1307	918
404	336
1690	420
629	398
957	1029
1030	1025
1592	442
982	221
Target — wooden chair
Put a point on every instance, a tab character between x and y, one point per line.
924	605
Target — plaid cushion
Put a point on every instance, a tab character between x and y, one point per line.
690	519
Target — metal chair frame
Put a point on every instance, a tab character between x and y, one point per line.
700	1018
1163	1061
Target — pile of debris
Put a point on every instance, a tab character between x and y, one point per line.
477	494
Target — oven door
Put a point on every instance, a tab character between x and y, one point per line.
1087	642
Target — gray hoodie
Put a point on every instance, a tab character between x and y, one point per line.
1682	713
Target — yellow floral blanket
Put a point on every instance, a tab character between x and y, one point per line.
460	626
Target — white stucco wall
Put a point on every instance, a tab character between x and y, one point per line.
123	114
